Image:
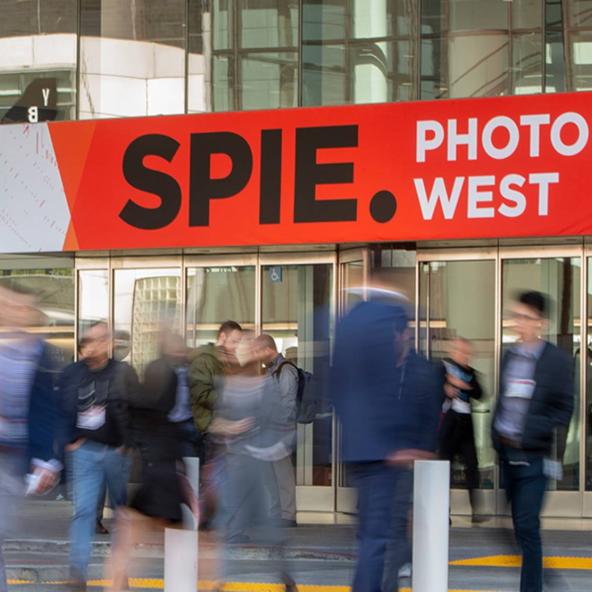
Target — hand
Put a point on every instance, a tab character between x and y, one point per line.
74	445
451	392
47	479
458	383
408	455
235	428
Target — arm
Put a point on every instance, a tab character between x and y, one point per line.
287	379
201	378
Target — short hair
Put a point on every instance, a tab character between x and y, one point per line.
535	300
266	340
84	341
228	327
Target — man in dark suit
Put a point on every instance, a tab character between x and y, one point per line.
536	398
28	409
388	401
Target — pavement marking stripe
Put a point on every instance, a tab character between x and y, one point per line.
157	584
556	562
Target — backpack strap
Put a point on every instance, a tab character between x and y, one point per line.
277	371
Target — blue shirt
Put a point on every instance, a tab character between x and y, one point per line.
182	409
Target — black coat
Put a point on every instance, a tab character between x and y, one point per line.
552	401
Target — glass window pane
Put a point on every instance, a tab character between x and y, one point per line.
559	278
588	418
269	80
527	76
323	20
132	50
215	295
581	54
52	280
527	14
222	83
580	13
222	29
478	66
475	15
324	80
93	298
298	311
461	309
198	66
146	301
43	57
269	23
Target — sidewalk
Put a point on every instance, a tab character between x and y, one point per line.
40	552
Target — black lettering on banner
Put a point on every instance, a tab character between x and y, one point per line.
151	181
309	174
202	188
270	176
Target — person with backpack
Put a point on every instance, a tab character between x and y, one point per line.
286	378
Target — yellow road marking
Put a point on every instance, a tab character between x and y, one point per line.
558	562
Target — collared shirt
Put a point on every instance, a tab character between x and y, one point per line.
518	382
182	409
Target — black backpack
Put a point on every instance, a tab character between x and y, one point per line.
307	403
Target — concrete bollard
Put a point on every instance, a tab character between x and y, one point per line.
431	504
181	546
180	560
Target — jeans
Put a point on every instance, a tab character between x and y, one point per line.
93	465
525	484
384	501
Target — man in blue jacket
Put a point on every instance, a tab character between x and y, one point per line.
388	401
536	399
27	409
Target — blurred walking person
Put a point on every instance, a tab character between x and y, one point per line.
161	440
175	356
536	399
388	400
208	365
245	424
282	490
94	395
457	436
28	410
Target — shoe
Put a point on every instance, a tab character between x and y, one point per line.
239	539
476	519
405	571
289	583
74	585
100	529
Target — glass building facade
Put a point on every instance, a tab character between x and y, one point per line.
114	58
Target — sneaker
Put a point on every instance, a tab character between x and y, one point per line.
405	571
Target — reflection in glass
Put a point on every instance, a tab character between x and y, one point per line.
146	301
54	287
215	295
269	80
559	278
93	298
298	312
38	41
459	300
134	50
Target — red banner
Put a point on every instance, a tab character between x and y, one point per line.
474	168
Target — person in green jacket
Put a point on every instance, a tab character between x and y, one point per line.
209	363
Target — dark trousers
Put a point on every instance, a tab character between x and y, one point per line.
457	439
525	484
384	500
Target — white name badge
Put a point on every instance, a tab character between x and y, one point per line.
92	419
520	388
